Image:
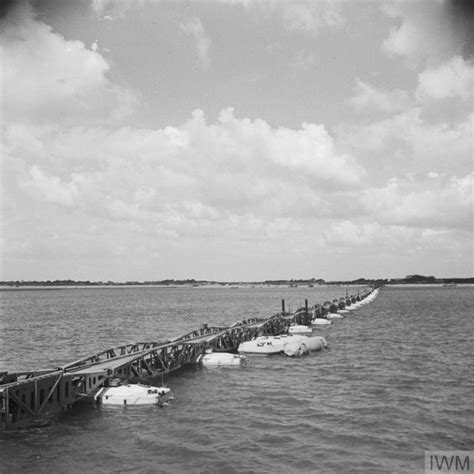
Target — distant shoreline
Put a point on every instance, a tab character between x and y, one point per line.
222	286
202	286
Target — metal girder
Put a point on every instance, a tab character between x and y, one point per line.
81	378
50	394
30	398
112	353
204	331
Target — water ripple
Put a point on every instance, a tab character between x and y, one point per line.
396	381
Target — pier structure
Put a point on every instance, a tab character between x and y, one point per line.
32	396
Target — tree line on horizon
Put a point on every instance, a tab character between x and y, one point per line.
409	279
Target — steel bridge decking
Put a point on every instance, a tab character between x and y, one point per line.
29	397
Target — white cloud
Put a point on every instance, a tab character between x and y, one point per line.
405	142
423	35
454	78
194	28
409	215
405	249
52	189
234	186
50	78
235	180
198	171
369	98
431	204
351	234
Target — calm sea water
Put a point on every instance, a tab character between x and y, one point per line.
396	381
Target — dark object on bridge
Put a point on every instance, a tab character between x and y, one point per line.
5	378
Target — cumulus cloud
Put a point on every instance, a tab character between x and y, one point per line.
52	189
438	203
197	171
405	142
240	178
421	130
409	213
194	28
232	185
351	234
452	79
399	246
50	78
423	35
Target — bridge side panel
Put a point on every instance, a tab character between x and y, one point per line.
29	400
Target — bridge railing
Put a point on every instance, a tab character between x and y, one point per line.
112	353
27	396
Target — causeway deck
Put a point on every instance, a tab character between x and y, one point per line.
28	397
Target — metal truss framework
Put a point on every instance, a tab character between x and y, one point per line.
30	396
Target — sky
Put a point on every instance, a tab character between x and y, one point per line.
236	140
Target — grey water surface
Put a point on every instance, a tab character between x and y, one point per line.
396	381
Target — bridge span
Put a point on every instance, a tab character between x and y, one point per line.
32	396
